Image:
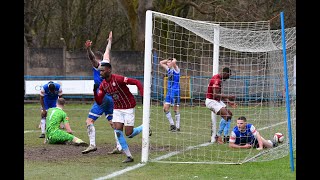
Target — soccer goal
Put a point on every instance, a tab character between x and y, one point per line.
254	54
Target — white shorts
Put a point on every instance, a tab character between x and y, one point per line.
214	105
125	116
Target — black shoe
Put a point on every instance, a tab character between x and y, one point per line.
226	139
274	143
129	159
42	136
216	138
150	132
178	129
173	128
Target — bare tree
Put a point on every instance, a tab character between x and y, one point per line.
47	21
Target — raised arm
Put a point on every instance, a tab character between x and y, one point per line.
106	55
163	63
174	64
91	55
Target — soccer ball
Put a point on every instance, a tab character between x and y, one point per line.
278	137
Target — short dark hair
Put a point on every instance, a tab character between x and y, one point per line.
106	64
51	86
242	118
99	55
226	70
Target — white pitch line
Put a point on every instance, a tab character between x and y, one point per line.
30	131
117	173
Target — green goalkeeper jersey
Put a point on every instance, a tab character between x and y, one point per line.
54	117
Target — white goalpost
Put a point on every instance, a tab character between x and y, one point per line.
254	54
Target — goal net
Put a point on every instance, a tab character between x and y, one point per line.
254	54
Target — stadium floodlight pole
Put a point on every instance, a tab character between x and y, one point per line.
215	70
146	87
287	88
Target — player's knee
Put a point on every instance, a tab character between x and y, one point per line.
89	121
128	133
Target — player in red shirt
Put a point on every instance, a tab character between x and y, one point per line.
215	100
124	104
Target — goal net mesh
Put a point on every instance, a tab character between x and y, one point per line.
254	54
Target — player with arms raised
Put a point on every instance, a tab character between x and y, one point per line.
106	106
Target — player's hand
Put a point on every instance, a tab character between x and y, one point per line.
233	104
248	146
110	37
70	132
259	148
95	87
232	97
88	43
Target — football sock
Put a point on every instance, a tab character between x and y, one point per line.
226	128
122	140
168	114
127	152
177	117
221	126
136	130
117	141
43	125
92	134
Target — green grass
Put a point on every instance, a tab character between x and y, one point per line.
91	167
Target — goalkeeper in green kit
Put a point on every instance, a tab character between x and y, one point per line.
54	135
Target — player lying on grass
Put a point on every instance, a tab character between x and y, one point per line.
244	135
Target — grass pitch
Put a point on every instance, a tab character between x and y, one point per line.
43	161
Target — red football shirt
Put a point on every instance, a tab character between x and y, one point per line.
117	88
215	82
